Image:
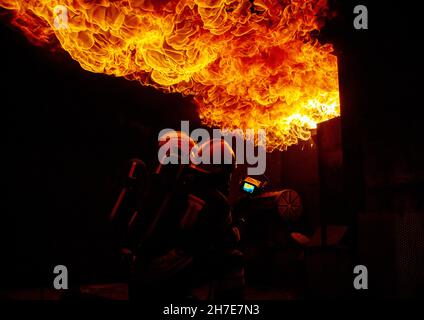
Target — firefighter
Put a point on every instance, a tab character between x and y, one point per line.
217	252
188	237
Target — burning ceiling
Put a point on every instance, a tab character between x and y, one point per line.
248	64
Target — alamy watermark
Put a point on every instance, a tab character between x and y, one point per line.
60	282
360	282
361	19
245	150
60	14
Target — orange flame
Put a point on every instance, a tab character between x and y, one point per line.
250	64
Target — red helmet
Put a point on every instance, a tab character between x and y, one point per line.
215	156
177	141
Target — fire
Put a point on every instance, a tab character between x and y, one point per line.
249	64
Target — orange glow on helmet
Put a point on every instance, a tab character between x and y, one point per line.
215	156
178	140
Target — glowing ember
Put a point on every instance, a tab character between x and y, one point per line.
248	64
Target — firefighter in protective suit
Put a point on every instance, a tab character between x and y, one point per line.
187	234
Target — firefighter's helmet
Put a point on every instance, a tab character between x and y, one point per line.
215	156
177	141
178	149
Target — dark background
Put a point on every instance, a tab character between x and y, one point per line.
67	133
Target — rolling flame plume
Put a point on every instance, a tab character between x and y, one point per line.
249	64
